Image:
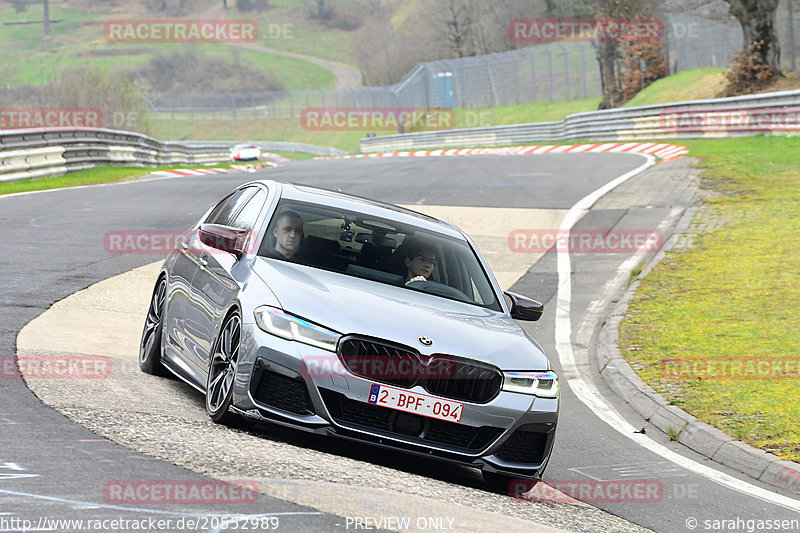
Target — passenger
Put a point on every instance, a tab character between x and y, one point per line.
288	233
420	263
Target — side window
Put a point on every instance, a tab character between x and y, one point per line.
247	217
227	209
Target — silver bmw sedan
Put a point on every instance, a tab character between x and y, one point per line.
358	319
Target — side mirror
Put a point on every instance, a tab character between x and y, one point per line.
524	308
225	238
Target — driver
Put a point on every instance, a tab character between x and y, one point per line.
288	233
420	263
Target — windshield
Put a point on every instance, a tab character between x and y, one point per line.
368	247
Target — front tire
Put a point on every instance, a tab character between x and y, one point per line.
222	367
150	346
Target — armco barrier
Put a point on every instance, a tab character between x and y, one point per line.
770	113
277	146
33	153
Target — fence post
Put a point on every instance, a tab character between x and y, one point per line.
585	73
791	35
566	68
550	70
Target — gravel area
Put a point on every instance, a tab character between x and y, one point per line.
166	419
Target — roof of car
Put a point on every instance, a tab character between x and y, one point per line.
305	193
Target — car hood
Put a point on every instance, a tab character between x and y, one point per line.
351	305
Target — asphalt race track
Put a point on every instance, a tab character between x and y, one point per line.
53	244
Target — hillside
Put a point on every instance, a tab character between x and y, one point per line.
78	38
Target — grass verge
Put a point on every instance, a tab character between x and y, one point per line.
267	129
695	84
88	176
725	310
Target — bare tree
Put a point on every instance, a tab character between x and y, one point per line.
455	21
474	27
616	59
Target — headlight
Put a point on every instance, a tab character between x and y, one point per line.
290	327
542	384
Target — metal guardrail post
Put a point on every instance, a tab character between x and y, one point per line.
550	70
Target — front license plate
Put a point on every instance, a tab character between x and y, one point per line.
413	402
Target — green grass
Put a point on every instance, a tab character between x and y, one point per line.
30	59
304	36
732	296
523	113
89	176
253	130
696	84
295	155
296	74
349	141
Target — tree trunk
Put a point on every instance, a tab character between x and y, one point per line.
606	56
757	18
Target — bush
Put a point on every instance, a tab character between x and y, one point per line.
748	74
191	73
114	94
634	79
20	6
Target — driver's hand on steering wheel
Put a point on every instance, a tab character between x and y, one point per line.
416	278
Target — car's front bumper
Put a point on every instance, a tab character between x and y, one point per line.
284	382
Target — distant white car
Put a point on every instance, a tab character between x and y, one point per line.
245	152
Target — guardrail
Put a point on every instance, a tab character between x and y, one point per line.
276	146
770	113
33	153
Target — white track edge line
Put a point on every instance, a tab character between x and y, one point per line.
597	403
